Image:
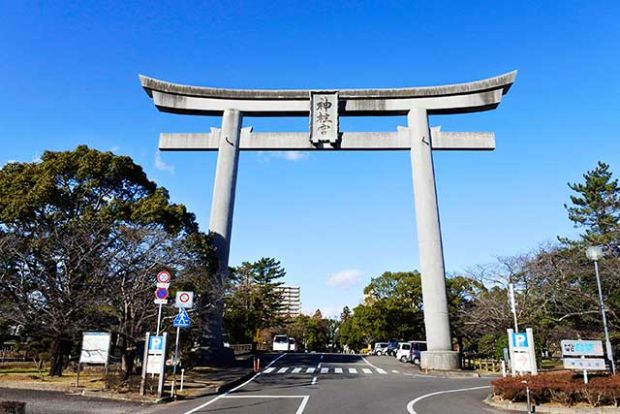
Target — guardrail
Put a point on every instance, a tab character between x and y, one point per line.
241	348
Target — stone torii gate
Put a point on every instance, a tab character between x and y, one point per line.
324	107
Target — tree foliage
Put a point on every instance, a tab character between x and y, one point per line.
81	235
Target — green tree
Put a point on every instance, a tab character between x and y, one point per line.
596	206
254	299
62	221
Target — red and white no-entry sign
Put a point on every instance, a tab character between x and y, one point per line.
184	300
163	276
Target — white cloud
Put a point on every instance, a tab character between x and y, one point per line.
161	165
293	156
344	278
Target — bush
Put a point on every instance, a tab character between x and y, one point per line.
562	387
12	407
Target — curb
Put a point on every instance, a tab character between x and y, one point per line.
545	408
449	374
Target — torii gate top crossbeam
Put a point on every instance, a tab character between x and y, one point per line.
446	99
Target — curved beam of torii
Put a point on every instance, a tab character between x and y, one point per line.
324	108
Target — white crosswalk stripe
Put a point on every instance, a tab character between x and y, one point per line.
325	370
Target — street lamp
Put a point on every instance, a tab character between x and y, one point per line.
595	253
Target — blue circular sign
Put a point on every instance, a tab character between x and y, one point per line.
161	293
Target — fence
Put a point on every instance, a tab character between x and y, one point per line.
481	364
241	348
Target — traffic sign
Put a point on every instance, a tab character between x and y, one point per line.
160	301
579	347
163	276
519	341
156	344
182	320
161	293
184	300
588	364
162	285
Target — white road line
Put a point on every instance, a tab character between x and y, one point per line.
324	370
200	407
296	370
302	406
268	370
366	361
381	371
367	370
352	371
395	371
310	370
411	403
300	410
314	380
282	370
338	370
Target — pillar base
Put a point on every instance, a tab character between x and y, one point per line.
440	360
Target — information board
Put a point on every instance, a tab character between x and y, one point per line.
95	348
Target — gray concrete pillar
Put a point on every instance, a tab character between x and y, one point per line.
436	319
222	208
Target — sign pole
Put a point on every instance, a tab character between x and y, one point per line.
513	305
162	372
175	361
144	362
158	319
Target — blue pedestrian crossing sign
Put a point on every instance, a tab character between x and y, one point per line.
182	320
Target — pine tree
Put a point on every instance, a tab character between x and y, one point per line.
596	207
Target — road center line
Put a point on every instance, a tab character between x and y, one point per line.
314	380
411	403
193	410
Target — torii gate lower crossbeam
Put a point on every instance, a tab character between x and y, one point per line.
324	109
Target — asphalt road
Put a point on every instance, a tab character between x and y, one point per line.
337	383
302	384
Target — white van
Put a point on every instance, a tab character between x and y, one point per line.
280	343
410	351
404	352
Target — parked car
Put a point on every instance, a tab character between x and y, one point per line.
379	348
392	348
404	352
417	348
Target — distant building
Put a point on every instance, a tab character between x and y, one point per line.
291	303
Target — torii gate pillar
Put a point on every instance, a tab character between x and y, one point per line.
436	320
222	209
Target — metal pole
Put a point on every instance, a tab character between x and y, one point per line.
158	319
175	361
610	354
513	305
182	375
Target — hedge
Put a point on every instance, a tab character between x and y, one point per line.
566	388
12	407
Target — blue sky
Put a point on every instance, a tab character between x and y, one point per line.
69	76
